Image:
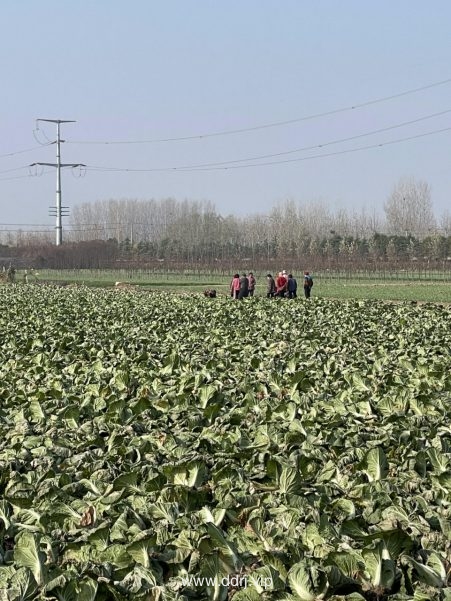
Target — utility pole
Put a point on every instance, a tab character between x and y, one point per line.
58	208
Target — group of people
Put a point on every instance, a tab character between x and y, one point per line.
283	286
286	286
242	286
9	275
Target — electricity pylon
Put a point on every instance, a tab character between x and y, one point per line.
58	165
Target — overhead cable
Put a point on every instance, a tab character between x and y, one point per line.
11	154
269	125
43	172
329	154
223	166
317	146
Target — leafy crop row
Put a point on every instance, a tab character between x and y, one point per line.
145	439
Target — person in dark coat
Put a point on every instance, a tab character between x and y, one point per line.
271	286
252	282
308	283
292	286
244	287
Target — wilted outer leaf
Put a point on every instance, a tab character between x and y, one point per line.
380	566
376	464
27	554
307	583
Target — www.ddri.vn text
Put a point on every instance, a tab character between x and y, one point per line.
236	581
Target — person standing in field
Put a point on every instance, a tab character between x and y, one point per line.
252	281
271	286
281	284
11	274
244	287
308	284
235	285
292	286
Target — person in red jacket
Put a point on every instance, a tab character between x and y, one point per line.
235	285
281	284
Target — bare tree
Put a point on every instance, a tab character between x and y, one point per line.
408	209
445	223
316	218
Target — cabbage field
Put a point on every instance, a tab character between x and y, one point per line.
172	447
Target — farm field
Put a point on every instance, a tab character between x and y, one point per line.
425	287
434	292
171	447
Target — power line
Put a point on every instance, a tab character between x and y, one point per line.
316	146
269	125
11	154
329	154
28	231
14	169
27	167
25	224
28	175
301	149
331	143
223	166
108	225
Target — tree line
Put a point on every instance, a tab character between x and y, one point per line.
185	233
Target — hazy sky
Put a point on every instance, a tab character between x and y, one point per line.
152	70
